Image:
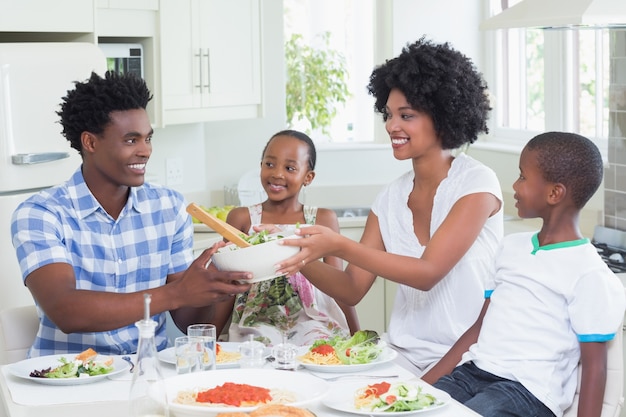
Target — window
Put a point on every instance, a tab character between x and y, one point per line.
549	79
352	29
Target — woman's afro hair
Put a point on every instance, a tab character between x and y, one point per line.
441	82
87	108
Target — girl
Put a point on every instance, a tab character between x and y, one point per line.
289	304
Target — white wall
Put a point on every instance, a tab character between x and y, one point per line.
453	21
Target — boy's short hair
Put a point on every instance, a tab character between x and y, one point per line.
569	159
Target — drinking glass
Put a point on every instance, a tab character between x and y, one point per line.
208	335
188	354
285	353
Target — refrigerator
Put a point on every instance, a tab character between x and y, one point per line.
33	154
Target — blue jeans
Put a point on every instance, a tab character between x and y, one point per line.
489	395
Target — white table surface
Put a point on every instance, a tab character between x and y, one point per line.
22	398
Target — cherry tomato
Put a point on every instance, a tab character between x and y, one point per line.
390	399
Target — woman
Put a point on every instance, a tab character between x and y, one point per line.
435	229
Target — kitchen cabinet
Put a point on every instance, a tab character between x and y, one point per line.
210	60
47	16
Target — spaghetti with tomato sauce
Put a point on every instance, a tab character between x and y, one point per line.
235	395
321	355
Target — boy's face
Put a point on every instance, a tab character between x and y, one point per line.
531	189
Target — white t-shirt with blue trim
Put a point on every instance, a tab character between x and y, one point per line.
544	302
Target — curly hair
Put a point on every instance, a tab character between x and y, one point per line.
300	136
87	108
441	82
569	159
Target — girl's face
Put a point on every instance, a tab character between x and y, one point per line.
285	167
531	189
412	133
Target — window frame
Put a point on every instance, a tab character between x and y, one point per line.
383	49
561	86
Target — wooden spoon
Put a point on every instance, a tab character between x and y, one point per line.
229	232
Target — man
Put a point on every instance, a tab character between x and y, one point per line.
89	248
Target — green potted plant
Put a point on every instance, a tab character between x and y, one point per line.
316	83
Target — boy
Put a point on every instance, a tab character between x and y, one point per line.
552	301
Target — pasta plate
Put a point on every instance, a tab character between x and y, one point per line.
169	355
304	388
387	355
341	398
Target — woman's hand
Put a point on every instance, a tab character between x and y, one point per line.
317	242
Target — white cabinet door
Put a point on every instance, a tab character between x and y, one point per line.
210	58
47	16
179	49
230	37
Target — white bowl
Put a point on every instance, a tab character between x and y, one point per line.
305	388
257	259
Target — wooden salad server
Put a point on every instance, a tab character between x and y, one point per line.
229	232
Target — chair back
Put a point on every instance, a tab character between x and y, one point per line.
614	390
18	328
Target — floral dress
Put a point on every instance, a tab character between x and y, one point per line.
289	304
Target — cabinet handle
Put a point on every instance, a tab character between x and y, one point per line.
208	70
199	55
37	158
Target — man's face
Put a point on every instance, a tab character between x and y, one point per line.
123	149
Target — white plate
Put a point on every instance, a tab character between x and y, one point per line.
169	356
341	398
23	369
307	388
387	355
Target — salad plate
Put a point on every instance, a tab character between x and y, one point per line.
22	369
341	398
387	355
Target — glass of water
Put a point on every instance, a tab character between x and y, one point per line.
207	333
188	351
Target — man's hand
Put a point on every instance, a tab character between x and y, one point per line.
203	284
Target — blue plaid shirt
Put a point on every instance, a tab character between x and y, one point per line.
151	238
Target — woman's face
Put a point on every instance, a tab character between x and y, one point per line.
412	132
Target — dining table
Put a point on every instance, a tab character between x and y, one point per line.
109	396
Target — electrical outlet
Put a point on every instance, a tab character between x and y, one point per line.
174	171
